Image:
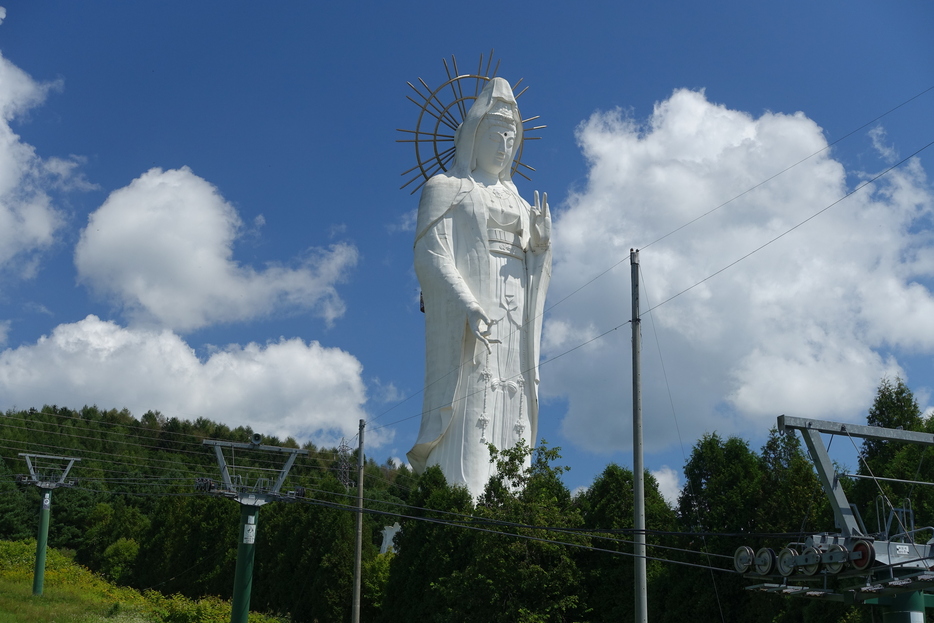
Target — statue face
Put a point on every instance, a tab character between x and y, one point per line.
493	147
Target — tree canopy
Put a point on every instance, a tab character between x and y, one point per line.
526	549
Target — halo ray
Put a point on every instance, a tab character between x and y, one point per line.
414	88
439	106
434	159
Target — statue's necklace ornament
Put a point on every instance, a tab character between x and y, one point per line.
491	384
441	111
484	421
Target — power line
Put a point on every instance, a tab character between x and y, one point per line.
108	438
674	416
705	279
519	536
160	432
791	229
745	192
788	168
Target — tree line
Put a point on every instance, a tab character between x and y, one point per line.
525	550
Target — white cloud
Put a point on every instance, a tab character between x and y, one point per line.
669	484
385	392
888	152
807	326
398	461
404	223
282	388
162	248
28	219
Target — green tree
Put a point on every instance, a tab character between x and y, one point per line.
608	511
430	548
305	557
516	572
719	502
106	526
190	547
794	503
117	560
17	508
374	582
792	498
893	407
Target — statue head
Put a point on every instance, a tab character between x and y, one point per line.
494	109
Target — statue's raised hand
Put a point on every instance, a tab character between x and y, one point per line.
541	223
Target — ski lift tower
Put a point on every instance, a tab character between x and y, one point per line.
47	473
250	498
891	567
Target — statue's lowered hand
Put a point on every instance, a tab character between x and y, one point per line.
481	325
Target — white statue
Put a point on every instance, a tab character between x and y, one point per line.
389	533
483	259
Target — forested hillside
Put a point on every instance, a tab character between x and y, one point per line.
527	550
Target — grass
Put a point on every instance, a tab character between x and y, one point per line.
73	594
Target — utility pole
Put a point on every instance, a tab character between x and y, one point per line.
638	470
250	499
358	559
46	478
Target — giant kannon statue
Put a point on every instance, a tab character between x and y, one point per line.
483	260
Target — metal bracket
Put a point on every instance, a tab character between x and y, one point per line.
44	481
261	493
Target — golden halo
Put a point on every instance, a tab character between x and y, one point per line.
440	114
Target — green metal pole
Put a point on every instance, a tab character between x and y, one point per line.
243	578
905	608
45	510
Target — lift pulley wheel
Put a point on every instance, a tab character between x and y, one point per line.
743	558
868	555
786	561
765	561
835	558
811	561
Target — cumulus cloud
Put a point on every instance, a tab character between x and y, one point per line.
669	484
806	326
286	387
28	218
162	248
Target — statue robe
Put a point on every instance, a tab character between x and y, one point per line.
452	262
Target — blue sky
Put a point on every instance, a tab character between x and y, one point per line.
200	210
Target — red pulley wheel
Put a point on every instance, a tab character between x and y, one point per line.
868	555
